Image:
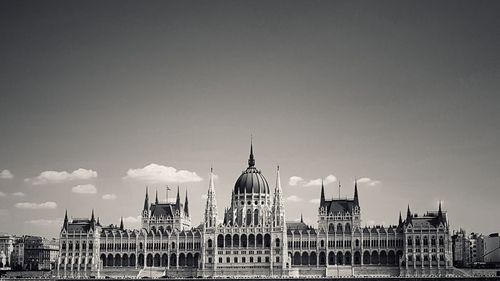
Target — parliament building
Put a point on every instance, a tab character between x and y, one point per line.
252	238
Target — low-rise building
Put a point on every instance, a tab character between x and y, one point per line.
6	248
40	253
492	249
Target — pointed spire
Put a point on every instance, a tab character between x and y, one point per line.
178	201
251	159
400	219
322	199
121	223
186	208
408	212
211	206
65	223
92	218
156	199
98	222
356	200
301	218
146	200
440	212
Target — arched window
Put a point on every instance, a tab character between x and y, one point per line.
339	227
357	242
249	217
220	241
347	228
267	240
277	242
210	243
256	217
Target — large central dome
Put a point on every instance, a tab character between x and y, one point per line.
251	181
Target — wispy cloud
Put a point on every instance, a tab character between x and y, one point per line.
2	194
45	222
368	181
30	205
293	198
48	177
109	196
314	201
317	182
132	222
6	174
154	173
84	189
19	194
295	180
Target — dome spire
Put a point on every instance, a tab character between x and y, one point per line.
251	159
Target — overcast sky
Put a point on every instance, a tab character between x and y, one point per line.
113	96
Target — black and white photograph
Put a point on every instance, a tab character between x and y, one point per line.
250	139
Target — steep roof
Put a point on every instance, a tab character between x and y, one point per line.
163	209
339	205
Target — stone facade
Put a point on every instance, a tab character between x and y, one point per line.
254	239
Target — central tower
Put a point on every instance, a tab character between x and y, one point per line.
251	198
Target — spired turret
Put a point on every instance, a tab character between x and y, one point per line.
165	215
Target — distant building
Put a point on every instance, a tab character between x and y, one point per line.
460	249
492	249
40	253
18	254
253	238
6	249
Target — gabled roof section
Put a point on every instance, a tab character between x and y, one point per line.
163	209
339	205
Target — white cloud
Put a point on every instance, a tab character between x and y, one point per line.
294	198
29	205
2	194
47	177
6	174
314	201
132	222
364	180
110	196
294	180
154	173
368	181
20	194
45	222
317	182
84	189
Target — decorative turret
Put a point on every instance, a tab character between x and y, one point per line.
440	214
121	224
65	223
156	199
322	200
211	207
146	201
356	200
92	220
400	223
178	201
186	207
408	215
278	204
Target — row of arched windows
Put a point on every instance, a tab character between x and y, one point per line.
243	241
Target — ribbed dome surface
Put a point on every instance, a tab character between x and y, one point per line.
251	181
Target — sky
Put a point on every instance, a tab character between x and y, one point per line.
99	99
